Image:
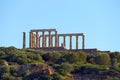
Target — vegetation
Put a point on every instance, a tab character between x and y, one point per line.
64	64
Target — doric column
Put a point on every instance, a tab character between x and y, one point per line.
83	42
29	39
51	41
33	41
56	39
49	38
43	39
39	41
76	41
64	43
24	40
70	42
36	40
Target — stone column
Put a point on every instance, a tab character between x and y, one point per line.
70	42
29	39
64	43
43	39
83	42
39	41
56	39
33	41
77	42
36	40
24	40
49	38
51	41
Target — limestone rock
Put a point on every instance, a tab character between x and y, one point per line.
36	68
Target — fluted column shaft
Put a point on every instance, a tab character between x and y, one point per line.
36	40
64	37
49	38
33	40
39	41
43	39
83	42
70	42
56	39
29	39
51	41
76	42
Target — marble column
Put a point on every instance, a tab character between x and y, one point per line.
29	39
70	42
83	42
24	40
33	40
77	42
39	41
43	39
56	39
49	38
51	41
36	40
64	43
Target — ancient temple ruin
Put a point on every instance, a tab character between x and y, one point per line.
50	38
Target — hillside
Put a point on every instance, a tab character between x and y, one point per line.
28	64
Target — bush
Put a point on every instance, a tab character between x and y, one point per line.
56	76
71	58
51	57
82	57
4	69
62	72
2	54
90	58
102	59
67	67
5	76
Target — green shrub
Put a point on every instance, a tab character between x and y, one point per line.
102	59
2	54
82	57
4	69
56	76
5	76
73	58
51	57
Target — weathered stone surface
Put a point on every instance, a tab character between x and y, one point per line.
36	68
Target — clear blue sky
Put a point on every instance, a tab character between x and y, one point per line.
99	20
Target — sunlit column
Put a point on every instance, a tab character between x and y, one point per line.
43	39
83	42
64	37
49	38
77	42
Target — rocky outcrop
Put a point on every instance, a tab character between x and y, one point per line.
3	63
36	68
